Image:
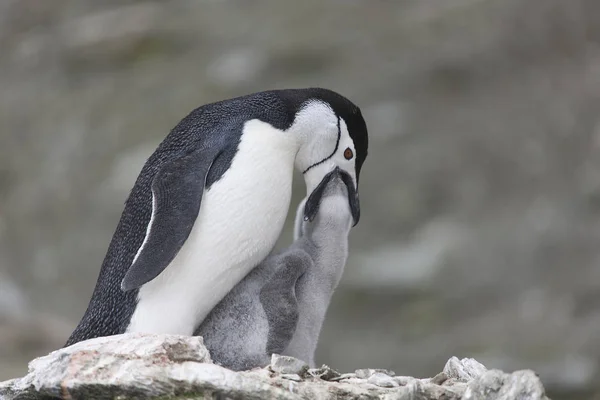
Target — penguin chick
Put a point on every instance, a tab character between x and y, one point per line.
279	307
325	240
258	316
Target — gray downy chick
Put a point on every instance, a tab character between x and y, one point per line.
280	306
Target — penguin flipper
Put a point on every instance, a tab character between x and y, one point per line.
177	191
278	297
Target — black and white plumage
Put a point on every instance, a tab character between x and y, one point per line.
280	306
210	203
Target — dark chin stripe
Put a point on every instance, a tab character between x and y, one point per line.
337	144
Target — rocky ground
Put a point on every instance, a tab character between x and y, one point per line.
179	367
480	198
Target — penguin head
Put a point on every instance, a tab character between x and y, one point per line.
333	134
332	196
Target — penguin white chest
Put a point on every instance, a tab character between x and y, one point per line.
240	219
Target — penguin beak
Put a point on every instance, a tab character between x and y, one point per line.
314	200
353	199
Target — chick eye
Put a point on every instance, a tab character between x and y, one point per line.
348	154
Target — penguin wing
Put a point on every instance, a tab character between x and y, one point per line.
177	191
278	297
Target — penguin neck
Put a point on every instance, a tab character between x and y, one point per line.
326	239
328	230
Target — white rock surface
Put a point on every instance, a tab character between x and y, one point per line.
464	370
180	367
382	380
288	365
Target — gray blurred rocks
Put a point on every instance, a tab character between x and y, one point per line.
237	66
109	32
415	264
13	302
159	366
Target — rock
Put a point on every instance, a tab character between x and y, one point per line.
405	380
422	390
382	380
292	377
463	370
343	376
363	373
326	373
288	365
366	373
497	385
439	378
172	366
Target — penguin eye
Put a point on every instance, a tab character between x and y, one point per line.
348	154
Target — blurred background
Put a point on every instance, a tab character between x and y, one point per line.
480	229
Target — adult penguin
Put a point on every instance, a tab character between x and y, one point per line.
210	204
